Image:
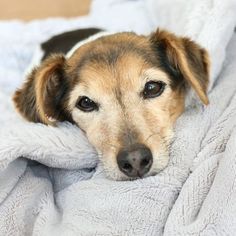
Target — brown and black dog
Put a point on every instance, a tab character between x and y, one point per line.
124	90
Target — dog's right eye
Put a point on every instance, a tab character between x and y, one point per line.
86	104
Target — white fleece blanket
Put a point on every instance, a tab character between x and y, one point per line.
65	192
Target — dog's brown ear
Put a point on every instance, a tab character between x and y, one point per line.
183	59
39	100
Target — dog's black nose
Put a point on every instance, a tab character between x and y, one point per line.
135	161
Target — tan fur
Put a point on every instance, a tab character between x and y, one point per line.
112	71
150	120
45	76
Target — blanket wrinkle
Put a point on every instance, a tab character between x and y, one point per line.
51	180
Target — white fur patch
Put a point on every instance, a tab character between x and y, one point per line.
89	39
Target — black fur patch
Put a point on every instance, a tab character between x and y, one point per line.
164	64
62	43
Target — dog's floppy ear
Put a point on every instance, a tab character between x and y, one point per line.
184	59
40	98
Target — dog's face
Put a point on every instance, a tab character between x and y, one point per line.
124	91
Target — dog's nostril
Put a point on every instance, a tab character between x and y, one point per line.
145	162
127	166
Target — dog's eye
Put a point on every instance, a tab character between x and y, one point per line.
86	104
153	89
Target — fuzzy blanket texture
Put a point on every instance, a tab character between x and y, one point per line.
51	181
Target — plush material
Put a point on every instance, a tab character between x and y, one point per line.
51	181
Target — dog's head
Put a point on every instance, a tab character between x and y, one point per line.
124	91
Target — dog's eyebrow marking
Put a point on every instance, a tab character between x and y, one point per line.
155	74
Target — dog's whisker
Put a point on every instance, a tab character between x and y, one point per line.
150	136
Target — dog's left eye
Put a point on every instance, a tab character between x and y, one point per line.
86	104
153	89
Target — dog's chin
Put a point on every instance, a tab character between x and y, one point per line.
122	177
117	175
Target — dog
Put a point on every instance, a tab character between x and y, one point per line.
124	91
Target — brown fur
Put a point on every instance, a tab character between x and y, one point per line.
112	71
41	99
186	58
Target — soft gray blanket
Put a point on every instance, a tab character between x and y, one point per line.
52	184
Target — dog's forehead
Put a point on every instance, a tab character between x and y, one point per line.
117	60
108	49
125	72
